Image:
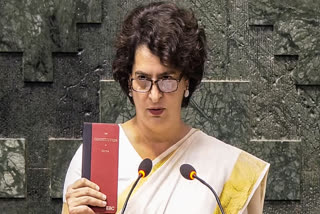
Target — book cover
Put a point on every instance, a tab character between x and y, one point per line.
100	159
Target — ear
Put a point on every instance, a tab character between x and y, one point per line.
187	84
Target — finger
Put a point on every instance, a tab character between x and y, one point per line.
81	209
86	200
87	191
83	182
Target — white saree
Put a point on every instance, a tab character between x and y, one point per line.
234	174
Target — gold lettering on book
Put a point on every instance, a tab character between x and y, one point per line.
112	208
106	139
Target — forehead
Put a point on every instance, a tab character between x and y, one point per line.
147	63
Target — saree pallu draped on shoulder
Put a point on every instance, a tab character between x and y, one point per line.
233	173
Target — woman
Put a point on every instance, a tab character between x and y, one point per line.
159	62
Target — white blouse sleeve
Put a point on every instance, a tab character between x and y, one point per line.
74	171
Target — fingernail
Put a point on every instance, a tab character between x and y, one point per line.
104	203
104	197
97	187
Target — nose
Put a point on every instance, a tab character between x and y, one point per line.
155	94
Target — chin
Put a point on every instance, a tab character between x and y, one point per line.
159	122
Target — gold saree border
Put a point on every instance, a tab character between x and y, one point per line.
236	191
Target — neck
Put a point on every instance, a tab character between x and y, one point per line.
151	141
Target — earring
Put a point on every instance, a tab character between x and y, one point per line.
186	93
130	94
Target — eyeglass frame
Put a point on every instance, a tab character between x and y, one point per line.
156	83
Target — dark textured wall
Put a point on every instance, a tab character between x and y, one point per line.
261	91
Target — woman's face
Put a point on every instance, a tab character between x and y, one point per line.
156	107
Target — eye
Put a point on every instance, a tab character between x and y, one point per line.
141	77
167	77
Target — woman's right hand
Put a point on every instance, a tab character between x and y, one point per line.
82	194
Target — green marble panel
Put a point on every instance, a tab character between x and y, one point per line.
41	207
274	96
96	53
276	207
297	35
309	69
37	63
114	105
221	109
311	191
61	22
12	168
309	100
284	177
268	12
61	152
296	29
38	183
214	15
26	29
10	23
240	54
13	206
39	28
89	11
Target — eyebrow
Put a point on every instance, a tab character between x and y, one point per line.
170	72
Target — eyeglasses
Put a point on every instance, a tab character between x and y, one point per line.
165	85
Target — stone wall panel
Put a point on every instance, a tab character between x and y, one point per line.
60	155
221	109
12	168
284	179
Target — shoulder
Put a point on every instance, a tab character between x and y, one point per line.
210	143
243	173
203	141
227	156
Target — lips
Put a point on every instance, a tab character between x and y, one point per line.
156	111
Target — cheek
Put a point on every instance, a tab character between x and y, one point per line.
138	99
181	91
135	99
177	101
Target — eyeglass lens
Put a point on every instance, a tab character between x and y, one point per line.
144	85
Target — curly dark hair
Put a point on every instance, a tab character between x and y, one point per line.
171	33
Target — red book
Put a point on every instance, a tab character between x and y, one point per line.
100	157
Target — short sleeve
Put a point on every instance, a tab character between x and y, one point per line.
74	171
